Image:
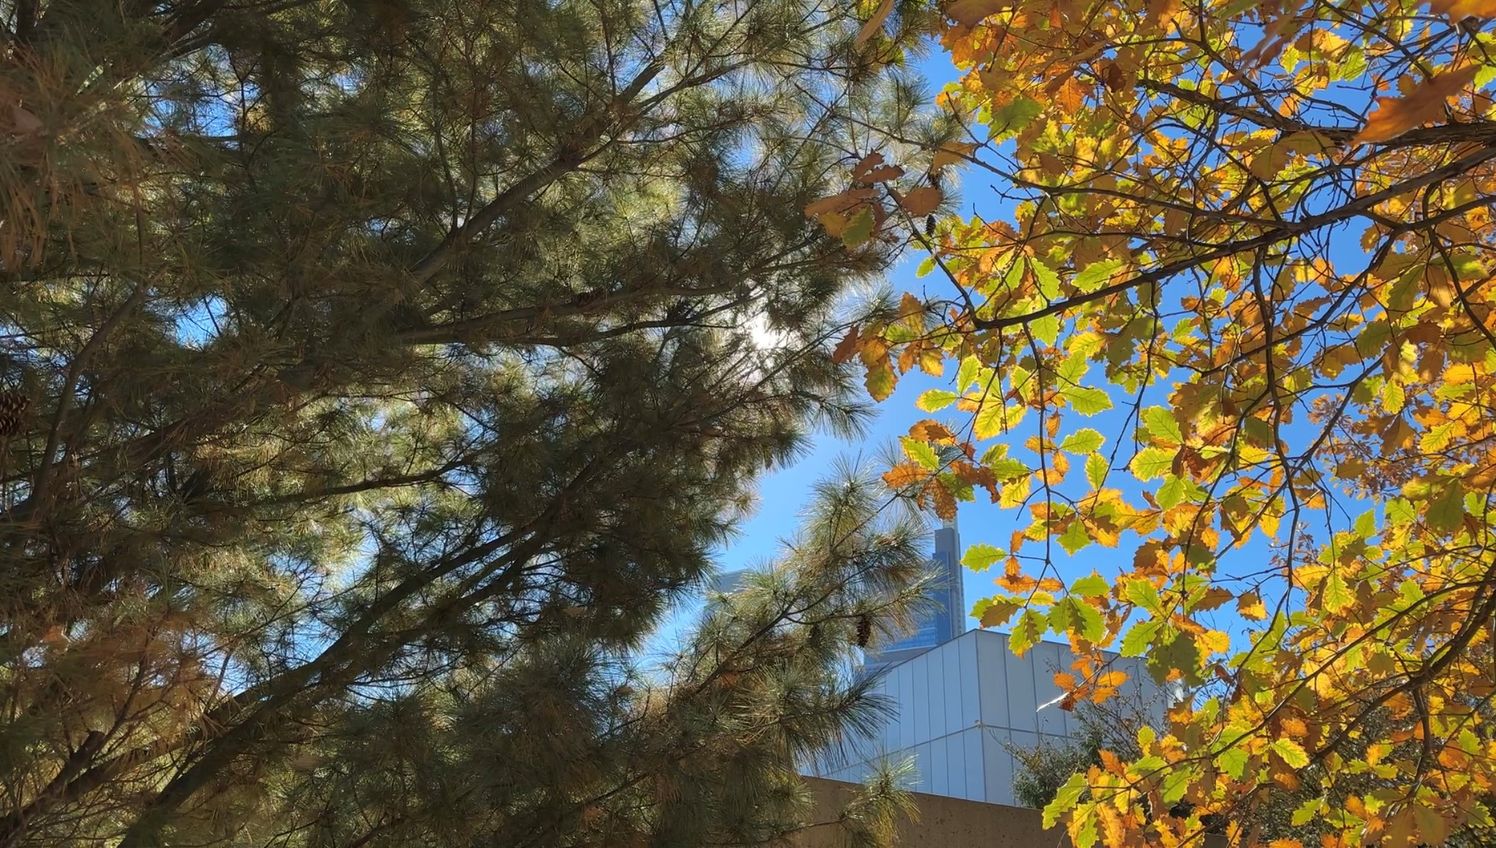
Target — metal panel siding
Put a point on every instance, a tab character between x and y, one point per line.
955	765
970	676
971	753
919	703
991	655
950	686
998	768
1022	700
904	737
938	767
926	679
921	765
955	708
1049	659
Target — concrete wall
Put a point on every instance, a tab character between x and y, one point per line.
947	823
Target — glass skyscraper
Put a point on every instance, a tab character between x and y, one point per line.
942	620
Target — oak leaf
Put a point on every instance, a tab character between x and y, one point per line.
1396	115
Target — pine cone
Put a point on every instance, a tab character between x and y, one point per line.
13	407
864	630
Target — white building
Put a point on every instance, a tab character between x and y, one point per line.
957	706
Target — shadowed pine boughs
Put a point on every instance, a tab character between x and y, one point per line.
13	406
401	364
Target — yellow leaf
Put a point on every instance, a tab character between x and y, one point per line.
875	23
1396	115
1251	607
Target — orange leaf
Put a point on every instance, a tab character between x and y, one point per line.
1460	9
930	430
904	475
866	164
846	347
882	174
921	201
1396	115
951	153
838	202
969	13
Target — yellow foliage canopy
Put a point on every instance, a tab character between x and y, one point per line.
1237	320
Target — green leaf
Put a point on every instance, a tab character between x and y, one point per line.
1446	512
1096	274
1008	468
1014	276
1400	512
879	381
1093	585
1092	627
1146	737
1291	752
1084	440
1048	280
1030	628
1046	329
1139	638
1087	833
1061	616
920	452
1171	493
1161	424
859	229
1366	525
935	400
1306	812
1096	468
1143	594
1438	437
1337	595
1152	462
1065	799
1176	782
980	557
991	418
1393	397
1086	400
1179	654
967	373
1233	761
1014	116
1074	538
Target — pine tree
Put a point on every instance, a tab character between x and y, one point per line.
378	373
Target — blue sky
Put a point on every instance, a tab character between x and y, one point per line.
784	493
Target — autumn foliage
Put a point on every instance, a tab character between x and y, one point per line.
1228	310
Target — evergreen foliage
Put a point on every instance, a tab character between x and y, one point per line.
380	372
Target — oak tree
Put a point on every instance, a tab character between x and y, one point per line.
1225	304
